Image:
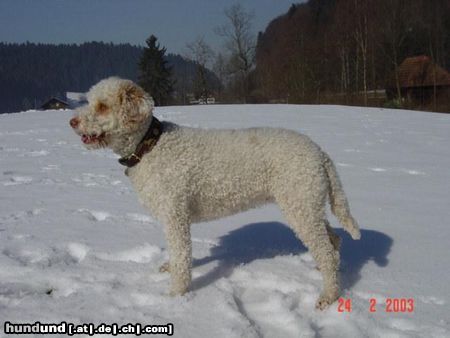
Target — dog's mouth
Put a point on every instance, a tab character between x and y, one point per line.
93	138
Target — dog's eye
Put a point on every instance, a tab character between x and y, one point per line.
101	108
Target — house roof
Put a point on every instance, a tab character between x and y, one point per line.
420	71
54	100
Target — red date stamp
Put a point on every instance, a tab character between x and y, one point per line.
394	305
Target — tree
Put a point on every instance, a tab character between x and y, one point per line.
155	74
362	35
220	69
240	43
201	53
395	28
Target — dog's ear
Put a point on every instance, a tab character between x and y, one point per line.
136	105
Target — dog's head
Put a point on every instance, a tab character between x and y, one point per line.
116	107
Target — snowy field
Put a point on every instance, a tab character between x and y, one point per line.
76	246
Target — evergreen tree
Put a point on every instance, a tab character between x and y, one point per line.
155	74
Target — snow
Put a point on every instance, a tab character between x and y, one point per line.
76	245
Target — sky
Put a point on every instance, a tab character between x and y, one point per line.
174	22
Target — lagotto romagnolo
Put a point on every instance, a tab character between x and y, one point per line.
192	175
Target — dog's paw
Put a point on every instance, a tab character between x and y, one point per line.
165	267
322	303
177	292
325	300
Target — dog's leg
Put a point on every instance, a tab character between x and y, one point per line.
316	239
334	239
318	242
306	218
180	253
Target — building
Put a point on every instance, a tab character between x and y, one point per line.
421	81
55	103
201	100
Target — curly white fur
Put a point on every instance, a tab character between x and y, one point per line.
195	175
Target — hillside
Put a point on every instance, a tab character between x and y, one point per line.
77	246
32	73
328	51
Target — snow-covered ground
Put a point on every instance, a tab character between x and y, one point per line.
76	246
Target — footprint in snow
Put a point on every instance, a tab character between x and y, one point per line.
431	300
36	153
77	251
406	171
341	164
413	172
140	218
20	237
403	324
206	242
17	180
367	296
257	299
13	293
29	254
352	150
23	214
141	254
378	169
90	180
50	181
11	150
95	215
50	167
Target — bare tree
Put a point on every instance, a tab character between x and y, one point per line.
240	43
395	30
202	54
220	68
343	29
431	20
361	35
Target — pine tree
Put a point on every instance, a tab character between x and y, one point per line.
155	74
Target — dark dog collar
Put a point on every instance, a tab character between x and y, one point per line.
147	143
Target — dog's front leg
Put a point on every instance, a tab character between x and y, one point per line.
180	256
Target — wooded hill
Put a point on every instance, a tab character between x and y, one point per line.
326	51
32	73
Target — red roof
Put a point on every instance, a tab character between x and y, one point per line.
420	71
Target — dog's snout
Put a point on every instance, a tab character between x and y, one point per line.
74	122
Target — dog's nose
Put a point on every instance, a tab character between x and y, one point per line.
74	122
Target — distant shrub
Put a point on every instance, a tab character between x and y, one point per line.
393	104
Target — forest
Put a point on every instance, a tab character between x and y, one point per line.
32	73
391	53
348	51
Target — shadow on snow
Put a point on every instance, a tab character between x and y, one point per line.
270	239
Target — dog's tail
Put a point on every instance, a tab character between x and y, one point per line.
338	200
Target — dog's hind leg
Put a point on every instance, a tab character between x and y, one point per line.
307	220
315	237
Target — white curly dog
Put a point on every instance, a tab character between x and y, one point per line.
190	175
